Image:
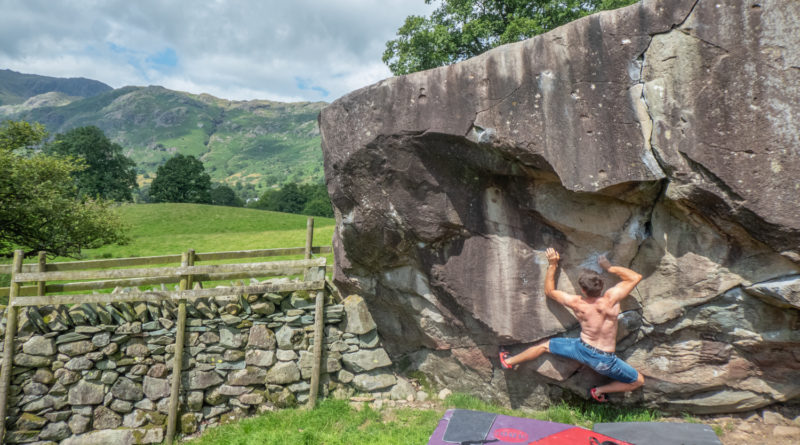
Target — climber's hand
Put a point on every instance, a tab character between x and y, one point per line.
552	256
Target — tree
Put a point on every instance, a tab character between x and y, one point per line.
289	199
318	203
223	195
308	199
318	207
181	179
109	174
20	135
40	208
460	29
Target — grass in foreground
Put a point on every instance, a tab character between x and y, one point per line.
335	422
583	413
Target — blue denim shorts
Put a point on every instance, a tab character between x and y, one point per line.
605	363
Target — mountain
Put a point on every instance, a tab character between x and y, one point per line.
255	143
16	88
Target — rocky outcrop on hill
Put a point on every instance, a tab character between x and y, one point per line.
664	134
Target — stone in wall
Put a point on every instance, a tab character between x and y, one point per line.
359	320
366	360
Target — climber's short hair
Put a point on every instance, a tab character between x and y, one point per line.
591	283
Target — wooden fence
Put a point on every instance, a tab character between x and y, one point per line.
127	272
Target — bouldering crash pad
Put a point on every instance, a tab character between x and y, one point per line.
467	427
660	433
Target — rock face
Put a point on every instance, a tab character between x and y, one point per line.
664	135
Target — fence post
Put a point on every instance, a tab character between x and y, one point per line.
41	285
318	319
309	244
319	339
309	237
177	360
8	345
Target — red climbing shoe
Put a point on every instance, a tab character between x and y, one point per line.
503	356
598	396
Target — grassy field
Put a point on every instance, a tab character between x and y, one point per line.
161	229
336	422
166	229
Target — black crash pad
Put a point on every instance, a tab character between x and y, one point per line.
468	426
660	433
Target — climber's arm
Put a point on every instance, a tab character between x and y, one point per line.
550	290
629	280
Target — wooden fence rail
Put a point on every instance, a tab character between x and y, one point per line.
42	266
114	273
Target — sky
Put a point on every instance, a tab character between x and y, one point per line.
280	50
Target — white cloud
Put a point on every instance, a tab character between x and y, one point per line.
236	49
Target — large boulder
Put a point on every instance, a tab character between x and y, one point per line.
664	135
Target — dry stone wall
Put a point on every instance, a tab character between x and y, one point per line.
93	374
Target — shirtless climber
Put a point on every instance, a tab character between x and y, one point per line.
597	313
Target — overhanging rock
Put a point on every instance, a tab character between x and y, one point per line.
664	134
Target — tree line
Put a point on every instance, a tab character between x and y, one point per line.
58	194
184	179
305	199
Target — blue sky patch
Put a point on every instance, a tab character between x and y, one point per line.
168	57
142	62
306	84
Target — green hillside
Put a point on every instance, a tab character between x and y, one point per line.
258	142
16	88
163	229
